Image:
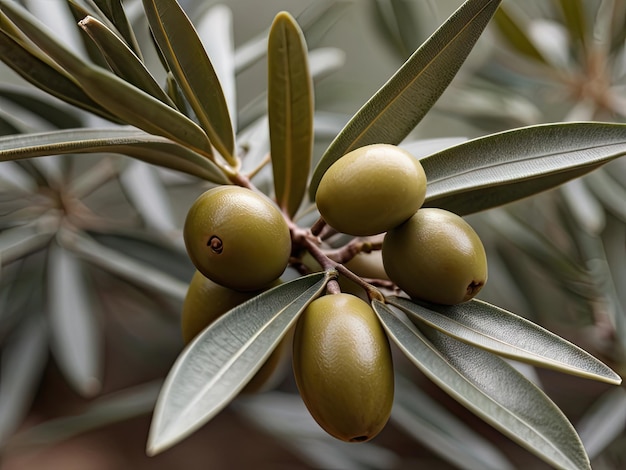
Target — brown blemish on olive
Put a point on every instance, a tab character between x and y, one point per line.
359	439
216	244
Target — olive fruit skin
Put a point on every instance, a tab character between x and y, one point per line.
371	190
343	367
206	301
436	256
237	238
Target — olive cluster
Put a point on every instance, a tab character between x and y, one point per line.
240	244
431	254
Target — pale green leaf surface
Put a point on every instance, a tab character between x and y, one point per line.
117	96
24	356
215	28
122	59
401	103
218	363
493	170
188	61
41	74
492	389
151	149
441	431
497	330
290	110
76	337
120	265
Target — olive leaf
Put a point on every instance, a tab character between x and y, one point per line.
219	362
114	11
438	429
122	59
497	330
401	103
490	388
188	61
512	27
137	144
46	77
575	20
17	242
493	170
290	111
76	337
24	357
117	96
603	423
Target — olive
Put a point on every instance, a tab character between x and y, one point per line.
205	302
237	238
436	256
343	367
371	190
369	265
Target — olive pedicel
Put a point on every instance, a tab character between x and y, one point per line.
436	256
237	238
371	189
343	367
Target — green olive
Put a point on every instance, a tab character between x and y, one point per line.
205	302
371	190
369	265
343	367
237	238
436	256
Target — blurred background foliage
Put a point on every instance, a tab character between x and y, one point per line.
94	270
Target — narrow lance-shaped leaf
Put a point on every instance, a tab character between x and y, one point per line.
513	29
290	111
46	77
76	341
224	357
494	329
131	142
490	388
119	97
122	59
493	170
182	49
404	100
114	11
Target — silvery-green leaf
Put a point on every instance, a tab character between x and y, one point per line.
443	433
224	357
120	265
114	11
215	28
401	103
24	356
490	388
188	61
122	59
131	142
145	190
120	98
290	111
513	27
109	409
76	337
603	422
608	191
20	241
46	77
504	167
494	329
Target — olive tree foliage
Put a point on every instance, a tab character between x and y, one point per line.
191	127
